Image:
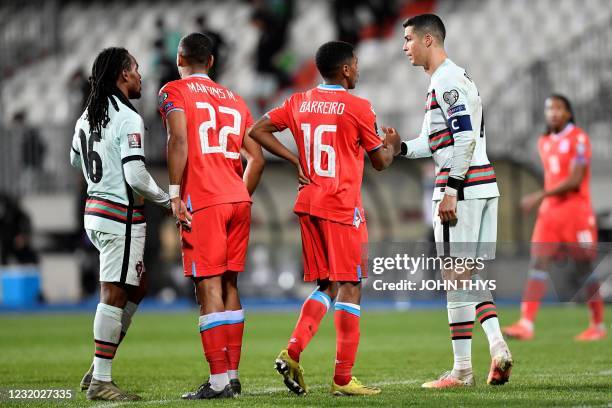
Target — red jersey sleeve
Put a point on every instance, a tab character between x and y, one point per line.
368	130
582	149
281	116
170	99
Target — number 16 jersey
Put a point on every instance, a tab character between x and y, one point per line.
331	129
217	120
111	207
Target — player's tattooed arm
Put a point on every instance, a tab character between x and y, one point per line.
255	163
263	133
176	126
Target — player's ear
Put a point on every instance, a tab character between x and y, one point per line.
211	62
346	71
125	75
428	40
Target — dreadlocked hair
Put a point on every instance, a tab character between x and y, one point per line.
103	81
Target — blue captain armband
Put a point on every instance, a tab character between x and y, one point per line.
461	123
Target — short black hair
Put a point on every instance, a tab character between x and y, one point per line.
331	56
196	48
427	24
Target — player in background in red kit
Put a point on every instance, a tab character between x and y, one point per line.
207	127
565	223
332	130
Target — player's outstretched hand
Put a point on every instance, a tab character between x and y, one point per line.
448	208
180	211
531	201
392	139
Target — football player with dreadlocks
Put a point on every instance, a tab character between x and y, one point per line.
108	145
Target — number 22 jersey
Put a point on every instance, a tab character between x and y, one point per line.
331	129
217	120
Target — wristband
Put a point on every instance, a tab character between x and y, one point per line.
174	191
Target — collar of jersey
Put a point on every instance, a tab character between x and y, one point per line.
439	69
199	75
327	87
566	131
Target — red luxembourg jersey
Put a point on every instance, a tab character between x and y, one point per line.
216	123
559	153
331	129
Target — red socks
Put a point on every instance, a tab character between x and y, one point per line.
235	330
533	294
346	318
214	339
595	303
313	310
221	335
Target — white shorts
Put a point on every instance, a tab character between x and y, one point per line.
473	235
121	258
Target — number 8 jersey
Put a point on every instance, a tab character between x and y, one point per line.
331	128
217	120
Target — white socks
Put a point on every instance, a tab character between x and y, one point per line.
126	319
107	331
218	381
486	313
461	322
128	312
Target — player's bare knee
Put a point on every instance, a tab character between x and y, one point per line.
541	263
113	294
349	292
328	287
137	293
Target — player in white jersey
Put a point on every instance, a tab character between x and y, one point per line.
465	196
108	145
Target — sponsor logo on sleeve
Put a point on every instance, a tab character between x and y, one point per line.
451	97
456	109
162	98
134	141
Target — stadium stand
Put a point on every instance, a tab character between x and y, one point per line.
488	38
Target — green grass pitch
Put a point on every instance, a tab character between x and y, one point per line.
161	358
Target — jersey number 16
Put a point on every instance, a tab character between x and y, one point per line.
319	148
91	158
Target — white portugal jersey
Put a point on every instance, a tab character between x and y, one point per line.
453	132
112	206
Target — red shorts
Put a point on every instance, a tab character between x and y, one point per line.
218	240
334	251
565	230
